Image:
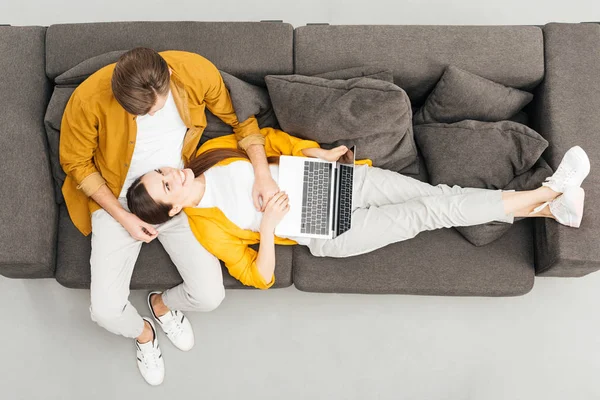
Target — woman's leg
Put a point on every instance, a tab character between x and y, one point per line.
377	187
376	227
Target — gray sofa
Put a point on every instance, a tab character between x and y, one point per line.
560	63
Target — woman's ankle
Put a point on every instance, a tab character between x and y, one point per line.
547	194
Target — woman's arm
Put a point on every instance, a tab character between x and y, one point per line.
266	255
275	210
329	155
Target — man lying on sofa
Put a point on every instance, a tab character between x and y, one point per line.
144	112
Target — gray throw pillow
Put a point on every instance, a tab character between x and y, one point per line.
248	100
478	154
461	95
372	114
84	69
488	155
367	71
52	120
372	72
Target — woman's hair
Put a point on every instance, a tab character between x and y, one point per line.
140	76
148	210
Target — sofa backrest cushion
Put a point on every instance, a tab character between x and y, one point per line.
418	55
249	50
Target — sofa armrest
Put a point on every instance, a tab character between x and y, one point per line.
28	212
567	109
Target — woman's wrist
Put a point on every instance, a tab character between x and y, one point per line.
266	231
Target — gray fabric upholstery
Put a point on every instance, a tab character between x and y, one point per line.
248	50
461	95
372	114
52	121
153	270
567	114
438	262
28	212
417	55
478	154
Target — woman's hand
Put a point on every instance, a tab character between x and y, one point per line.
275	210
327	155
263	190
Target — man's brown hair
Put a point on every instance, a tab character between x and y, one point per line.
140	76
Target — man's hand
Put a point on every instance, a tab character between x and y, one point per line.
137	228
263	190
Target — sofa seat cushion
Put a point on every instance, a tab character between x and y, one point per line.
437	262
153	269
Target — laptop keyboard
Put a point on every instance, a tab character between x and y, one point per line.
316	198
345	198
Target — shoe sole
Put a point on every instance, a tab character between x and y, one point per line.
575	201
585	160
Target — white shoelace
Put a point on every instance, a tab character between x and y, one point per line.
172	327
539	208
561	175
150	356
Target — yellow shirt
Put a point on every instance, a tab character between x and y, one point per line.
98	136
223	238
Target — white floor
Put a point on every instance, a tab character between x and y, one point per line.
286	344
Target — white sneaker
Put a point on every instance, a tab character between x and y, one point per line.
176	326
149	359
573	169
568	207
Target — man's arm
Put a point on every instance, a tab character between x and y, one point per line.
78	143
265	186
247	133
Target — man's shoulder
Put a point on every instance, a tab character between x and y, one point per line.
97	87
188	65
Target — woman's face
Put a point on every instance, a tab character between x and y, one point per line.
170	186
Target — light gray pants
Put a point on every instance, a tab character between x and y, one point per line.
389	207
114	253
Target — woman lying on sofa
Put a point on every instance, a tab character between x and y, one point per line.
387	206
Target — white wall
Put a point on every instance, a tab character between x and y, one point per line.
300	12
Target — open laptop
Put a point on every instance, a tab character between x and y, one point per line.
320	196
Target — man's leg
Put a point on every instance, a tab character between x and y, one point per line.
114	253
378	187
202	288
376	227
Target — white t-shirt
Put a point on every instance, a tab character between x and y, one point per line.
159	142
229	188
